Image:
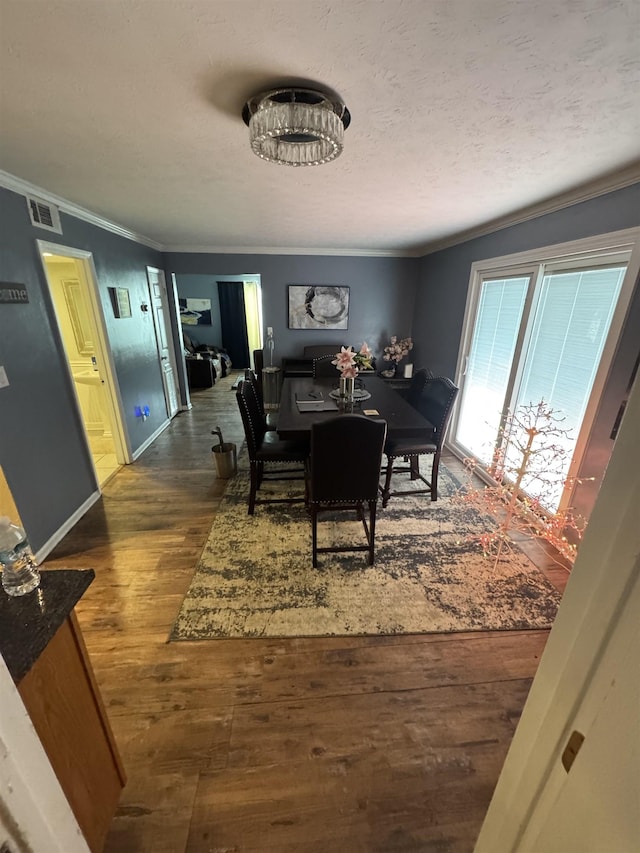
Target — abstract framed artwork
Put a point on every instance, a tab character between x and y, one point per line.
195	312
318	306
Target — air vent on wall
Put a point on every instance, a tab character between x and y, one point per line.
43	214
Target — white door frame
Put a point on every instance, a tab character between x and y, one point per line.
102	345
183	395
162	280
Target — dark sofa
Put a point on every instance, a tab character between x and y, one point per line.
204	363
301	367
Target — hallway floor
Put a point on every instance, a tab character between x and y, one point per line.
104	457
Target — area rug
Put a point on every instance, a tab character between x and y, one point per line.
255	578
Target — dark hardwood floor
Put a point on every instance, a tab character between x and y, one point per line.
348	745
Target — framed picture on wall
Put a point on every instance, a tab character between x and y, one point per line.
120	302
195	312
318	306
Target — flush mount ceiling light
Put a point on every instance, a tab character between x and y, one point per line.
296	127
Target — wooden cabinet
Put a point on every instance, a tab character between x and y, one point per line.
62	698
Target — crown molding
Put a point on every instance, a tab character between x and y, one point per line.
287	250
610	183
18	185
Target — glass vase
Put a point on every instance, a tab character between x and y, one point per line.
347	386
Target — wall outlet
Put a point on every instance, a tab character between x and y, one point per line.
270	331
4	381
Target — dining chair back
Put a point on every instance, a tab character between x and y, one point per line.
322	366
270	418
435	404
344	474
251	378
258	364
265	448
418	381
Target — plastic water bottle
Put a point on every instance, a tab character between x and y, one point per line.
19	572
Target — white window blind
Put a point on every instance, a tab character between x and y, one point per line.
490	362
570	326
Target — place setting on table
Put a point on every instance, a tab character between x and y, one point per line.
304	401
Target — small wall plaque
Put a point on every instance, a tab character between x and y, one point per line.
120	301
12	292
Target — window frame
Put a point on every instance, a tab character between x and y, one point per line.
536	263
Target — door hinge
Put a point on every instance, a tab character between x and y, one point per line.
572	749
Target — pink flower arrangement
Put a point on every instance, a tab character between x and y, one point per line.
349	362
397	350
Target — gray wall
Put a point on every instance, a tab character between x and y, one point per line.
442	294
381	299
42	448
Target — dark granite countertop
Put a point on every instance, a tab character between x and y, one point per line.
28	622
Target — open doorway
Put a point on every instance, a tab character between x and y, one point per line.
240	319
73	290
222	311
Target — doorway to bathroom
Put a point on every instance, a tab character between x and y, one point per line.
71	281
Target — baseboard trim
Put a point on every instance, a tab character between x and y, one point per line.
138	453
62	531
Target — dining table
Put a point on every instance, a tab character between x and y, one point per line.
403	421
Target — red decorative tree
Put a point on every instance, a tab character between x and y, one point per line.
530	457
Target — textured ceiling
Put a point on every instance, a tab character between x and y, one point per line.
463	112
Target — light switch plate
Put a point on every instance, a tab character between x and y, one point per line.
3	377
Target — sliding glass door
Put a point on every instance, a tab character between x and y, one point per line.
535	334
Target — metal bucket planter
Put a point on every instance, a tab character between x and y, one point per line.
225	455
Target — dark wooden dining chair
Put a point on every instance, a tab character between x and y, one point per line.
344	473
266	449
435	403
322	367
258	364
270	418
416	387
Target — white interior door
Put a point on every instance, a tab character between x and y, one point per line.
166	354
595	806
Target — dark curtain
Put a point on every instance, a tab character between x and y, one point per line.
234	323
